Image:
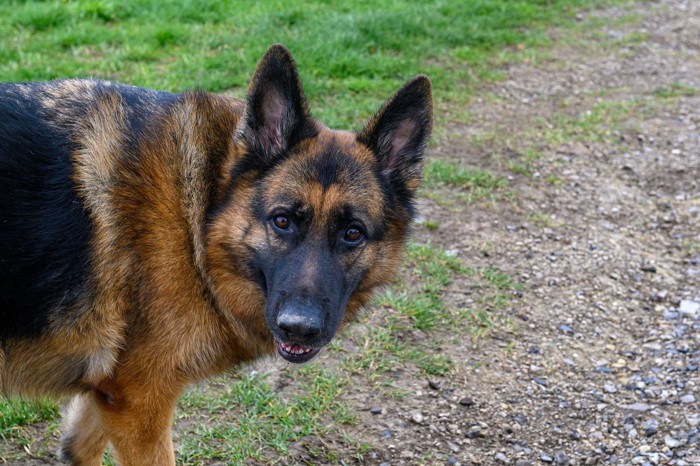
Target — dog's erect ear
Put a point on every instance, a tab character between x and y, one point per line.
277	116
399	132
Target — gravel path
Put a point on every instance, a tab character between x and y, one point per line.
596	361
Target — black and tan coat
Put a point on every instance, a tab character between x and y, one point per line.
149	240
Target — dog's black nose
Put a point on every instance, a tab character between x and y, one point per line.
300	323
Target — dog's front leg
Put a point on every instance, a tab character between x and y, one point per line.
136	413
132	414
83	440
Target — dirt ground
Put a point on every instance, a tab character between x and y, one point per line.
595	358
595	361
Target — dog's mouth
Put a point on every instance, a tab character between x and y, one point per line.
295	353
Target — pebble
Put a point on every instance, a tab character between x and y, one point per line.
687	399
473	432
561	459
523	463
501	458
671	442
566	329
467	401
540	381
453	461
546	458
386	433
609	388
650	431
375	410
417	417
434	384
640	407
689	308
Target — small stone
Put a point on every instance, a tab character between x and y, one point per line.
687	399
523	463
406	454
689	308
386	433
566	329
671	442
501	458
452	447
466	401
540	381
375	410
451	460
610	388
640	407
473	432
417	417
434	384
650	268
650	431
546	458
561	459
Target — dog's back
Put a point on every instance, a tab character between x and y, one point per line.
44	225
44	229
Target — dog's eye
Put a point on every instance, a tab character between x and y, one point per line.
353	235
282	222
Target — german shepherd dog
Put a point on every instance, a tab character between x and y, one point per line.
149	240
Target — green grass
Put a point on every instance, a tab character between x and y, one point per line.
419	303
473	184
247	419
676	90
18	434
16	414
351	54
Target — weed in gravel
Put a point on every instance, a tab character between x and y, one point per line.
676	90
474	184
442	172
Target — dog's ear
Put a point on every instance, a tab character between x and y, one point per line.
277	115
399	133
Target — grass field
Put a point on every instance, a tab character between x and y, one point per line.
351	55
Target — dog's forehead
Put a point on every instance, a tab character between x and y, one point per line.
326	174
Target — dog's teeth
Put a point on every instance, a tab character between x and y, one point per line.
294	349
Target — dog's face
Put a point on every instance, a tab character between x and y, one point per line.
316	218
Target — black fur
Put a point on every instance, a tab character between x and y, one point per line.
44	229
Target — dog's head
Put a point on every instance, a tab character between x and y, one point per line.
317	218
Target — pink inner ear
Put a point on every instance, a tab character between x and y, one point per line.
399	138
273	109
402	135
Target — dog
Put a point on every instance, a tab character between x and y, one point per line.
149	240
